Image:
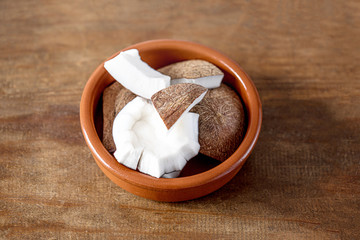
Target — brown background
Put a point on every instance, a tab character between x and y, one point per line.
301	182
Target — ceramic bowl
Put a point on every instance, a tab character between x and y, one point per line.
204	176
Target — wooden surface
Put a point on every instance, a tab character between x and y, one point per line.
302	180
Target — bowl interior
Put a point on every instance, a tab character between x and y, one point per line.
158	58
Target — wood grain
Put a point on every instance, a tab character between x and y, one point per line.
302	180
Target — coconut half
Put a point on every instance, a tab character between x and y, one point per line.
172	102
136	75
195	71
222	123
143	142
115	97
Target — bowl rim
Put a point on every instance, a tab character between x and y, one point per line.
234	162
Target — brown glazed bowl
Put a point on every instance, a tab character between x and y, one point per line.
158	53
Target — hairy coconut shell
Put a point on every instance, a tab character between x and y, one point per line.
191	69
115	97
173	101
222	123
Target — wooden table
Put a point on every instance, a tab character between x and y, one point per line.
302	180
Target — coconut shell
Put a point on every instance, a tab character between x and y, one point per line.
222	123
173	101
115	97
191	69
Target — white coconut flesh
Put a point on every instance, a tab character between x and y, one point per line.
134	74
195	71
207	82
143	142
173	174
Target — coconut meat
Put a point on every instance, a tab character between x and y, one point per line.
207	82
143	142
136	75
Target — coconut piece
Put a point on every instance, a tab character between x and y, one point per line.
173	174
172	102
195	71
134	74
168	154
143	142
115	97
221	122
128	151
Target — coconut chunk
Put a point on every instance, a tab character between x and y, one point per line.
172	102
143	142
173	174
136	75
170	153
195	71
207	82
115	97
128	151
222	123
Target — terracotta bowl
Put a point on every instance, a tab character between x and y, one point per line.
203	176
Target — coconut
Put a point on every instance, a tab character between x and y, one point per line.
115	97
136	75
172	102
221	122
195	71
144	143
